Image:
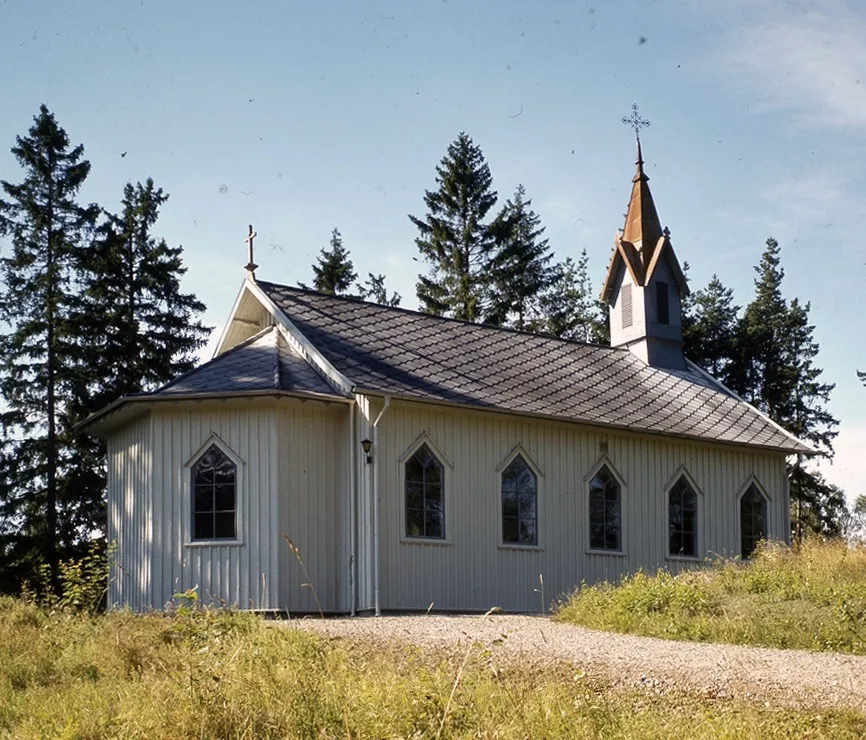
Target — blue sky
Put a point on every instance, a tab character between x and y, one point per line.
299	117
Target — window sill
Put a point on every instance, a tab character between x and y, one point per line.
615	553
515	546
214	543
684	558
425	541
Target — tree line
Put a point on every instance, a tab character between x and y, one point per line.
485	264
495	266
92	308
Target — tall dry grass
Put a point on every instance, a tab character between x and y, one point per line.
217	674
812	598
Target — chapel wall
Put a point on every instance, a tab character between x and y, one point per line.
472	569
313	507
130	508
245	573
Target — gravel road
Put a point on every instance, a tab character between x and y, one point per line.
791	677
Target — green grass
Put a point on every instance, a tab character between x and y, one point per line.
813	599
211	674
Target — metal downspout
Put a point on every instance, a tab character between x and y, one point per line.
376	504
353	508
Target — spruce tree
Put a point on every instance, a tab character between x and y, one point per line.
39	355
148	331
773	367
710	327
520	268
455	238
334	272
761	371
374	290
568	307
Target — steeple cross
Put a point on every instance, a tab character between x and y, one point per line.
635	121
251	266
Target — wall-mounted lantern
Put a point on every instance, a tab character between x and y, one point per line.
368	446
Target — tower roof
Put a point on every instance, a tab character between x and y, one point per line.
643	243
642	225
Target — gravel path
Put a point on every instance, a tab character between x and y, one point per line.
792	677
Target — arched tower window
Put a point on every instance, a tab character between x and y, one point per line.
605	508
753	520
683	519
425	495
519	503
214	494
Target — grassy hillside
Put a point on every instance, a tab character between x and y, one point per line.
813	599
200	674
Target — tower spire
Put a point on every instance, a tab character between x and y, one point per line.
645	284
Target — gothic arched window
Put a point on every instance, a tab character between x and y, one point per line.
214	496
605	508
753	520
425	495
683	519
519	503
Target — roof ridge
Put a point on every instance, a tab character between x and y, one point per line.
400	309
225	354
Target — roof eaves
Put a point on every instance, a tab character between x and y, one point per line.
799	446
595	424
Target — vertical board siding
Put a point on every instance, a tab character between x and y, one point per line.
129	514
235	574
313	504
472	570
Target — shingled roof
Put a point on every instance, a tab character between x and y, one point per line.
395	351
262	363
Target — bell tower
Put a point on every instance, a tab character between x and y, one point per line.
645	285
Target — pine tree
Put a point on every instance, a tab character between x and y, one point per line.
710	327
374	290
39	356
454	237
334	272
520	268
568	308
148	330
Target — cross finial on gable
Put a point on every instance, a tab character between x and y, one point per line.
251	266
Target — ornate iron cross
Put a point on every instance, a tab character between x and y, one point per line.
635	121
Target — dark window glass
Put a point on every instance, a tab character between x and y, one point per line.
519	503
662	308
753	520
425	495
605	527
682	519
214	496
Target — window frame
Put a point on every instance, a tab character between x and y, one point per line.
519	451
605	462
683	474
189	493
751	483
447	469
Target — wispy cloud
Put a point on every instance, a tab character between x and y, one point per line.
811	62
